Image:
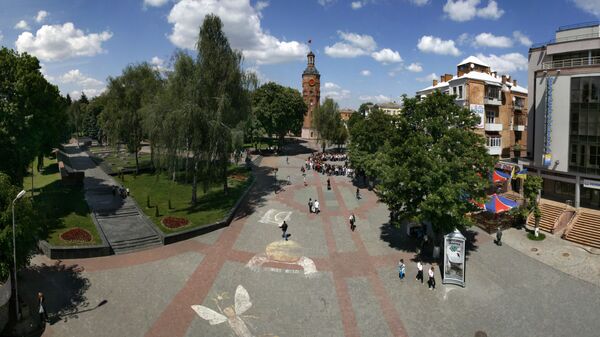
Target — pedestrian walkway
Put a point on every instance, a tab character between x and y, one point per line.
557	253
125	227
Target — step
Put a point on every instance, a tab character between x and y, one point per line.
127	250
588	226
135	244
585	242
583	237
134	241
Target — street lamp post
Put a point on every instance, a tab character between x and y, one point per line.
19	196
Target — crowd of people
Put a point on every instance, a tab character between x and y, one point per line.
320	163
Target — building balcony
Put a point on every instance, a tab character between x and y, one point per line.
572	63
494	127
518	106
518	127
519	123
494	150
492	101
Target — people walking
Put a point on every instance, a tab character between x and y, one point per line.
357	193
431	281
284	227
42	308
317	208
401	269
287	160
499	236
310	205
419	272
289	180
352	220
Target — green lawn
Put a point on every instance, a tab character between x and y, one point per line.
211	207
63	207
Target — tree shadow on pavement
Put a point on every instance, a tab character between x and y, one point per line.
64	289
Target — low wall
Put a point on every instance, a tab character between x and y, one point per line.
193	232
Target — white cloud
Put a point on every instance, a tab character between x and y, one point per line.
420	2
262	78
58	42
375	98
22	25
356	5
590	6
331	86
463	39
465	10
260	5
386	56
491	11
427	78
354	45
336	94
241	24
75	76
506	63
432	44
45	73
365	72
522	38
90	93
415	67
155	3
326	3
41	16
158	64
491	40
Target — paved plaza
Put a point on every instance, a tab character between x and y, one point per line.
244	280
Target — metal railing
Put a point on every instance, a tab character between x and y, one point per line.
574	62
579	25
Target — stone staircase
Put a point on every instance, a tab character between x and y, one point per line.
550	215
126	229
585	229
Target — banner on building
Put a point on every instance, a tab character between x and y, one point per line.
479	110
547	160
595	184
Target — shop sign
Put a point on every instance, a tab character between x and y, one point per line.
595	184
454	259
479	110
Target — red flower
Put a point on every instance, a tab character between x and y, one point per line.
76	234
174	222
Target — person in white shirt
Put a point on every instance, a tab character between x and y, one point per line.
419	272
431	281
317	209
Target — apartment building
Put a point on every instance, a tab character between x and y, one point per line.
564	78
498	100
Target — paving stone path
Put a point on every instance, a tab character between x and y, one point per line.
245	280
126	228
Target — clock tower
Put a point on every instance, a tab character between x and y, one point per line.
311	92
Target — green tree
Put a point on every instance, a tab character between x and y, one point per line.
328	123
434	163
32	113
531	191
126	95
27	227
279	109
367	136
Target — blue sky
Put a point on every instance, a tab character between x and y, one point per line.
373	50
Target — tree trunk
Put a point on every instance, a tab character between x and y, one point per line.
225	187
536	227
195	186
152	157
137	163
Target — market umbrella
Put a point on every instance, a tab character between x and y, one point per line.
499	176
498	204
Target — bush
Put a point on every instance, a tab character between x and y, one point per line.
531	236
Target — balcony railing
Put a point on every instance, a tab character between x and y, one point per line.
494	150
570	63
491	100
518	105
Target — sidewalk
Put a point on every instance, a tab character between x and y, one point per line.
557	253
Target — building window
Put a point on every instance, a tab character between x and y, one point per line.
584	133
494	141
490	117
460	92
492	92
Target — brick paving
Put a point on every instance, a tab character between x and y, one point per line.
355	291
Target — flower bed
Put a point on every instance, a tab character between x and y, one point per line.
174	222
76	234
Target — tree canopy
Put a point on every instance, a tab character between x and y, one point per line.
432	163
328	123
279	109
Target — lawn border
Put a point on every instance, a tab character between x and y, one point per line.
77	252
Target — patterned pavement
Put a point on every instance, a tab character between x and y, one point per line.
244	280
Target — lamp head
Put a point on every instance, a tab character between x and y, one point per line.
21	194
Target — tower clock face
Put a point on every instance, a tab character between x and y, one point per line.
311	82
